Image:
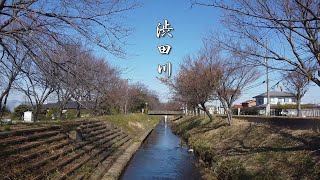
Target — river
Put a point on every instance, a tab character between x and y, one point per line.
162	157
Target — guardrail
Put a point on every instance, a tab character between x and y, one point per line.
165	112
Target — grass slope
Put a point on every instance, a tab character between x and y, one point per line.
133	124
251	151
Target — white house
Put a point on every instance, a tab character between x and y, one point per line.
276	97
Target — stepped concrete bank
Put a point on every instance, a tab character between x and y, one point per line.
117	168
86	149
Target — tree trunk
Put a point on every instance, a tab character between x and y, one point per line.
207	112
78	110
3	105
228	110
229	115
36	113
299	113
60	113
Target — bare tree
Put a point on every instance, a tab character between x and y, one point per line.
37	85
105	81
236	75
196	81
40	22
170	106
297	84
10	68
288	30
39	26
76	62
139	95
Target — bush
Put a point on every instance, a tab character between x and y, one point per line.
6	112
19	110
52	113
249	111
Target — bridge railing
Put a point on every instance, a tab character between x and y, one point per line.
165	112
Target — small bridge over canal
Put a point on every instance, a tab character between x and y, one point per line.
165	113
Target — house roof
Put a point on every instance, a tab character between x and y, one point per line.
238	106
276	94
249	101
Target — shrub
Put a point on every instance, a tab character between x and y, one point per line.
19	110
249	111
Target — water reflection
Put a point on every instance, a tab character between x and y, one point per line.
161	157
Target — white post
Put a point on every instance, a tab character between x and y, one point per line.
165	120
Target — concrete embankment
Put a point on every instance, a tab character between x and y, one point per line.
116	169
82	149
251	150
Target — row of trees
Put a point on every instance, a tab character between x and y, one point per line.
41	57
212	74
73	73
217	74
284	32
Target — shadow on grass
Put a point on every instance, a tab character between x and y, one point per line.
310	143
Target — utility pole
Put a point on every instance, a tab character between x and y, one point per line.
268	93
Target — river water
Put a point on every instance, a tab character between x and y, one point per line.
162	157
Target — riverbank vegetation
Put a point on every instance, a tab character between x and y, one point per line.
134	123
251	151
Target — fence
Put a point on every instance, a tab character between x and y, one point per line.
312	112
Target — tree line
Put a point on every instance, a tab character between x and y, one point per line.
45	53
211	74
279	35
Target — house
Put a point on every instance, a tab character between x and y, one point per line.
236	106
249	103
215	109
276	97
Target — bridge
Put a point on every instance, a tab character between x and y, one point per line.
165	113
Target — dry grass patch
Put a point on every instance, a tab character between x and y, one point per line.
252	151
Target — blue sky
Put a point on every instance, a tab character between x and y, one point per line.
190	25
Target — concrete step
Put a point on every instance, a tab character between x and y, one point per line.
105	132
29	145
19	139
64	160
94	130
93	127
34	153
67	171
103	166
23	132
93	163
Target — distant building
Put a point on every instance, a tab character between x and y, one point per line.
215	109
236	106
276	98
249	103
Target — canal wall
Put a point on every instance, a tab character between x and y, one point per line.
74	150
247	150
118	166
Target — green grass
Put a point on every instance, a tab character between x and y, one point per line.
132	123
